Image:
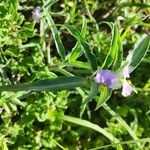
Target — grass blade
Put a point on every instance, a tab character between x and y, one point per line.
49	3
76	51
114	56
85	47
80	64
90	125
59	45
14	88
119	51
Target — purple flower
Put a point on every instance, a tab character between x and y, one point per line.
113	80
106	77
36	13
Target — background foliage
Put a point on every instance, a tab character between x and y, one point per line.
49	48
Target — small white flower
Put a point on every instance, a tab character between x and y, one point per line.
1	110
127	89
125	72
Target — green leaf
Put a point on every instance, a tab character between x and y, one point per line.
59	45
27	31
61	83
138	53
76	51
80	64
29	25
104	96
114	56
119	51
85	47
49	3
12	51
90	125
4	145
93	92
14	88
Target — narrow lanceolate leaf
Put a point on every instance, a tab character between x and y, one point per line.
114	56
119	52
76	51
80	64
90	125
85	47
59	45
49	3
89	55
14	88
104	96
93	92
61	83
138	53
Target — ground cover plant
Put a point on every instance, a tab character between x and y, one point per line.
74	75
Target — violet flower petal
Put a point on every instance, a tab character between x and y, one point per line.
127	89
36	13
106	77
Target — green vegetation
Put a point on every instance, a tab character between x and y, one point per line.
49	57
